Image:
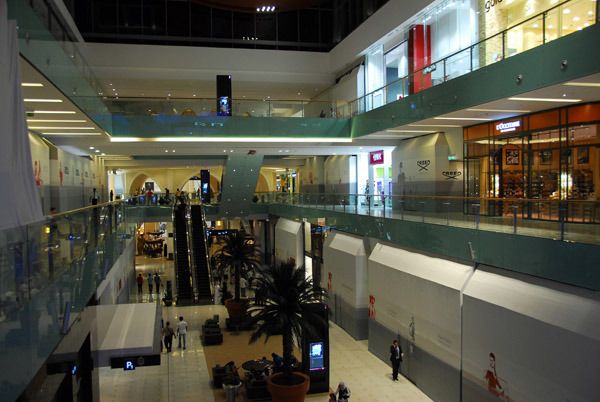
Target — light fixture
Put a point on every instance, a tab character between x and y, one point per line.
97	151
60	128
410	131
43	100
582	84
102	154
500	110
32	84
91	147
54	121
462	118
433	125
229	139
53	112
567	11
545	100
74	133
550	26
166	150
575	18
564	27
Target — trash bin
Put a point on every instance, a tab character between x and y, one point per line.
231	391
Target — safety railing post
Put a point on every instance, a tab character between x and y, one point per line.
447	204
515	209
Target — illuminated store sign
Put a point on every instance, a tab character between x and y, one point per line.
376	157
508	127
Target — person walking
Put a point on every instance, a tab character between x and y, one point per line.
395	357
157	283
140	282
168	333
150	280
342	392
94	197
243	284
181	331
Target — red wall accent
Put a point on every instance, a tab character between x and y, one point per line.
419	56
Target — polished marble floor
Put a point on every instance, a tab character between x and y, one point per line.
183	374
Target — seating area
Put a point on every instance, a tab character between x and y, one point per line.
211	333
241	323
220	374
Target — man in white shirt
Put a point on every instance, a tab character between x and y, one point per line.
243	284
181	331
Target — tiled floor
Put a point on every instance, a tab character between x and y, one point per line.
183	375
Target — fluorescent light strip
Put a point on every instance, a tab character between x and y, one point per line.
75	134
54	121
499	110
61	128
546	100
410	131
53	112
226	139
462	118
433	125
43	100
582	84
32	84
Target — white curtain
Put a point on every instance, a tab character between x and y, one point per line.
20	201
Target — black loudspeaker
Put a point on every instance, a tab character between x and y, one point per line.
224	95
315	350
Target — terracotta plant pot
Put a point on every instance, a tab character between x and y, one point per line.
288	393
236	309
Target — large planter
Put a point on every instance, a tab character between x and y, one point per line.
288	393
236	309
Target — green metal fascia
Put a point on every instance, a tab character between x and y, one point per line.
540	67
232	127
567	262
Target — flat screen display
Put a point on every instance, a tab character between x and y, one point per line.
316	354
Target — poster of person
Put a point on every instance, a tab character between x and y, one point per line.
512	157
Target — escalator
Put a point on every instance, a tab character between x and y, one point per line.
182	261
201	269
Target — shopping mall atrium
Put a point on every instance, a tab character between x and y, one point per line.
433	165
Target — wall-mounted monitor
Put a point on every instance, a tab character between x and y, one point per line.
316	354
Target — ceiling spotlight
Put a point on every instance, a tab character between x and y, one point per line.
102	154
231	150
166	150
263	8
173	151
258	9
97	150
91	147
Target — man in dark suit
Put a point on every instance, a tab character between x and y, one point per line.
395	357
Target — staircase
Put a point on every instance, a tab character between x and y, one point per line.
182	261
201	268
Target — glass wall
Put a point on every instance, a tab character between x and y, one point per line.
375	77
547	156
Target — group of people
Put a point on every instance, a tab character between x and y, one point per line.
168	333
153	281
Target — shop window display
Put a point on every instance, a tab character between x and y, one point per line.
539	167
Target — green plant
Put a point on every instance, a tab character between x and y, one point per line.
238	252
285	308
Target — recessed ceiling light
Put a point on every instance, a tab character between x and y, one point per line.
173	151
545	100
550	26
54	121
60	128
224	150
97	150
53	112
231	150
110	83
169	95
116	94
575	18
500	110
462	118
102	154
582	84
360	147
566	11
564	27
32	84
43	100
194	95
91	147
281	150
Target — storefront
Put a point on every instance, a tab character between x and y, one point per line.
533	161
455	31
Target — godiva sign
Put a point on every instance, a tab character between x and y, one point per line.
491	3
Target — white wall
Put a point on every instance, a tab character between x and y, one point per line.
345	259
544	335
289	242
407	286
311	176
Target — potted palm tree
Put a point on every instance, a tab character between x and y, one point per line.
238	252
285	307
